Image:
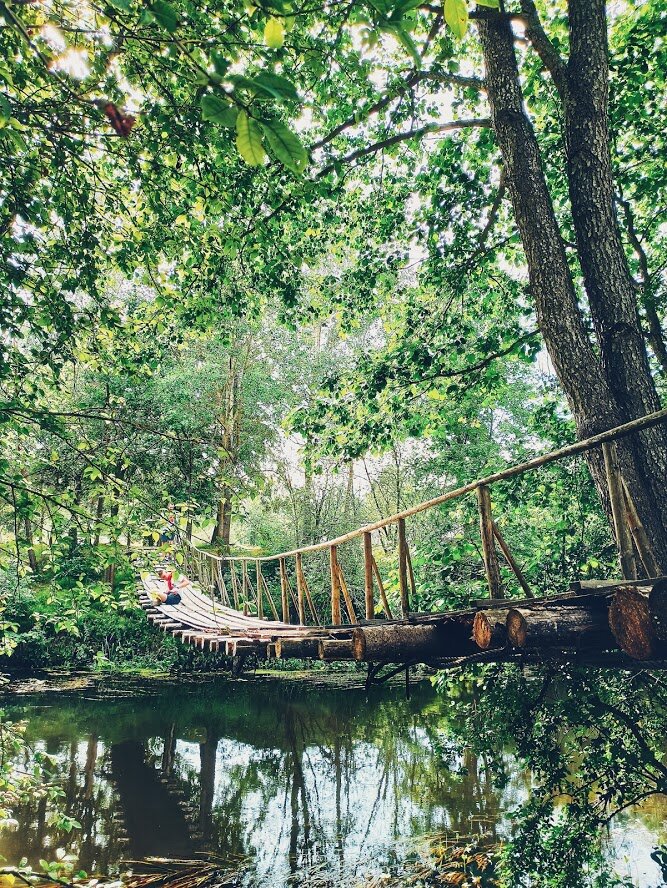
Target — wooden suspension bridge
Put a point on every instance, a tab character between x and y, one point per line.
230	609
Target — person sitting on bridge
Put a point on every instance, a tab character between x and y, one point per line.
174	589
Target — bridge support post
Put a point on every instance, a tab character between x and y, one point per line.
616	497
491	567
403	569
300	591
368	576
335	586
258	585
284	593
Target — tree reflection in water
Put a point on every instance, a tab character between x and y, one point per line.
293	778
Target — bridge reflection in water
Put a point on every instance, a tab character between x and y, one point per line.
287	776
281	775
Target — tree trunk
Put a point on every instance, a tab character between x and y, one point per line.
582	373
32	557
607	279
223	524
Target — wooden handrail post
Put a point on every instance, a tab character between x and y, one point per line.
368	576
491	567
335	586
244	587
258	584
284	593
403	569
300	592
616	498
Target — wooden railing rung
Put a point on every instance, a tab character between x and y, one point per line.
349	604
381	590
518	573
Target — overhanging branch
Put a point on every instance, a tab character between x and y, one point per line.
420	132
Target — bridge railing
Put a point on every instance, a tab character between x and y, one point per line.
240	582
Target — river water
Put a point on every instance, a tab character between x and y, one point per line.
288	777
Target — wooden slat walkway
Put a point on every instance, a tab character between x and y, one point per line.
203	622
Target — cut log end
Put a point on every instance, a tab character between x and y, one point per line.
630	621
517	628
481	630
359	644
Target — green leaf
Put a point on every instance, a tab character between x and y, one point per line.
274	33
219	111
122	5
165	15
268	85
280	87
5	111
456	16
249	140
405	39
491	4
285	145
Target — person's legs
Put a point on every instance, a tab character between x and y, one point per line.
156	595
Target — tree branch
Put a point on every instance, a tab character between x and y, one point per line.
412	80
429	129
545	49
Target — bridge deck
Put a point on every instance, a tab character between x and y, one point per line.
591	623
205	623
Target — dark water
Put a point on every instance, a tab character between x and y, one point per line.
285	775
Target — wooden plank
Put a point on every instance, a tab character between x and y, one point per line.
335	587
403	569
616	497
368	576
491	567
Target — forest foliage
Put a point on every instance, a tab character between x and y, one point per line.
282	269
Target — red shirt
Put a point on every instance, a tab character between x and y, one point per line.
168	578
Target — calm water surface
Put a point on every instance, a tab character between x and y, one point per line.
287	775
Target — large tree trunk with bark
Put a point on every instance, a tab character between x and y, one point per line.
609	285
600	387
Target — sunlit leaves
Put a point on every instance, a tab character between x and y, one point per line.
274	33
249	140
285	145
456	16
165	15
267	85
218	111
